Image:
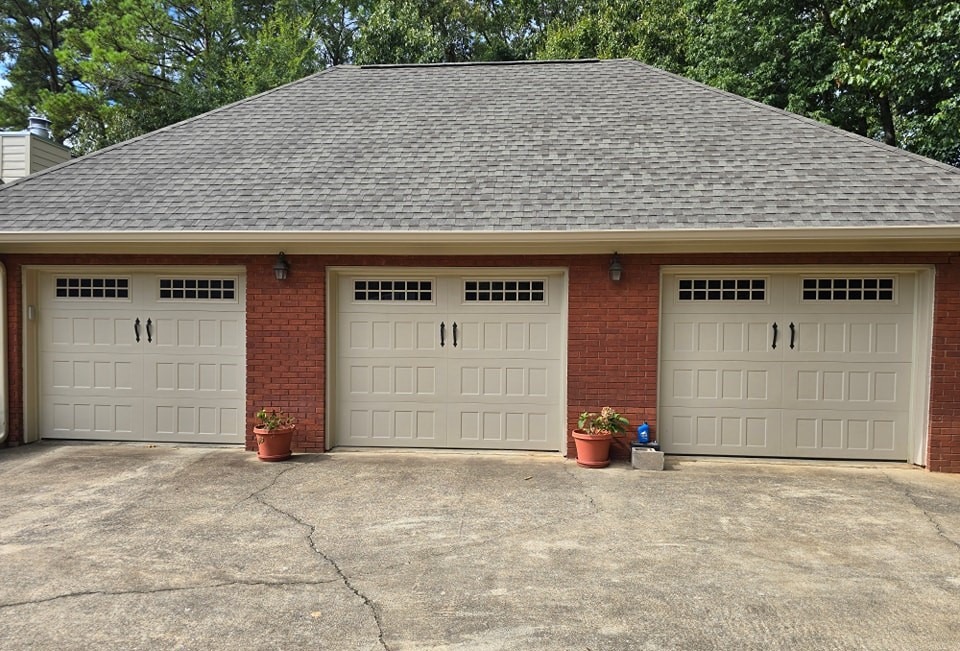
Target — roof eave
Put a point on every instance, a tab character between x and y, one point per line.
731	240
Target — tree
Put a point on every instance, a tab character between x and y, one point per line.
144	64
425	31
652	31
106	70
905	56
30	34
886	69
773	51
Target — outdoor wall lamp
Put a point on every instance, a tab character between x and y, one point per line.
281	267
616	269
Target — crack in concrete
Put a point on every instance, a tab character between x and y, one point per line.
567	469
913	500
256	493
367	602
146	591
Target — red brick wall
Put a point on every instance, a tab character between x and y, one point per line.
612	332
612	343
14	368
286	345
943	450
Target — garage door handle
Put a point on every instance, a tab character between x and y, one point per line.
454	334
442	333
774	346
136	329
793	334
149	334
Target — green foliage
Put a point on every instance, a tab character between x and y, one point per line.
398	31
31	32
607	420
905	56
653	31
107	70
283	49
274	419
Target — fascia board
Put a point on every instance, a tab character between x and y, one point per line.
898	238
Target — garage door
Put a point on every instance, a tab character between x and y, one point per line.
450	361
142	356
794	365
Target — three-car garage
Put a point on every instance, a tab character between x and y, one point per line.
807	362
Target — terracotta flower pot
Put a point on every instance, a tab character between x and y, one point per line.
593	450
274	444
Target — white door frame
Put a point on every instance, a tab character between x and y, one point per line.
919	417
30	275
332	313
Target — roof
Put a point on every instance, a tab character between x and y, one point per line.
529	147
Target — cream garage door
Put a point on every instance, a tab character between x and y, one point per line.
793	365
127	356
450	361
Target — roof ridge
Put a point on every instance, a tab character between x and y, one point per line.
465	64
887	149
169	127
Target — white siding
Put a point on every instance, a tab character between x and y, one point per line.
23	153
44	154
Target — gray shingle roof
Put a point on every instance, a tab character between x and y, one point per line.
535	146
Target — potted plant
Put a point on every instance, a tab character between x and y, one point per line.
274	432
594	435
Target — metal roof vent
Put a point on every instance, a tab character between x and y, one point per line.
39	126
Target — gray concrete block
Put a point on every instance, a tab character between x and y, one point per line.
646	459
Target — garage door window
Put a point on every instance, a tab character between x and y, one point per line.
93	288
504	291
199	289
393	290
722	289
848	289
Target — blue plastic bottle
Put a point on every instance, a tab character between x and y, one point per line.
643	433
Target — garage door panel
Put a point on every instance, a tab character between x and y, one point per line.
380	338
875	338
726	384
722	431
201	375
107	419
845	434
199	332
63	331
718	339
400	381
809	385
532	382
196	420
399	424
533	337
91	375
520	426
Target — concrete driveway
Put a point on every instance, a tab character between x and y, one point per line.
139	547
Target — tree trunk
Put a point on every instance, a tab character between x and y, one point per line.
886	120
